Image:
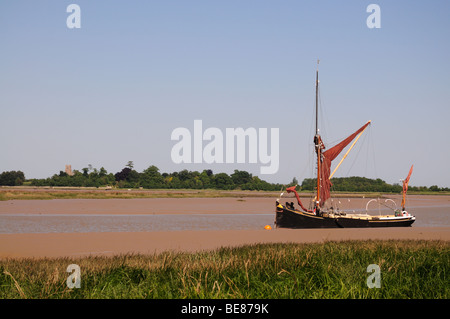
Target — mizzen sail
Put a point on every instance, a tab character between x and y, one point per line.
405	187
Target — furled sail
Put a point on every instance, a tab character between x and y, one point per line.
327	157
405	187
292	189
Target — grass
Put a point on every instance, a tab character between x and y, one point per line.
84	193
409	269
46	193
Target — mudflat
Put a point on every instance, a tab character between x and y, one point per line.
85	244
18	245
220	205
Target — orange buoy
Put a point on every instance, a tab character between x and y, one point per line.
267	227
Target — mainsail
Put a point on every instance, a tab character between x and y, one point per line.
326	158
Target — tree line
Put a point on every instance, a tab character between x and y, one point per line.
152	178
363	184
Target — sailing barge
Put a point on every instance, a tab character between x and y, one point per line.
287	216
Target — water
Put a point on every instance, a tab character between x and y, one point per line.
435	216
81	223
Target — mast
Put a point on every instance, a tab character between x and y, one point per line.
325	158
317	92
317	139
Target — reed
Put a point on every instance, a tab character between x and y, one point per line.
409	269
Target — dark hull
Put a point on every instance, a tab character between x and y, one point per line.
289	218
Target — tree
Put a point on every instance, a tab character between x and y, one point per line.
152	171
123	174
294	182
206	178
223	181
130	165
241	177
133	178
12	178
434	188
85	171
102	172
183	175
62	174
208	172
151	178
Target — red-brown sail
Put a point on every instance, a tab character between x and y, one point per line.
292	189
327	157
405	187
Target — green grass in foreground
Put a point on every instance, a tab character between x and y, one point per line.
409	269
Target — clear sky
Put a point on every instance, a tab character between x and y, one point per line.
115	89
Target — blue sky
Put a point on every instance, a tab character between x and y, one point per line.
114	90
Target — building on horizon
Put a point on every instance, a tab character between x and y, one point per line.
69	170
